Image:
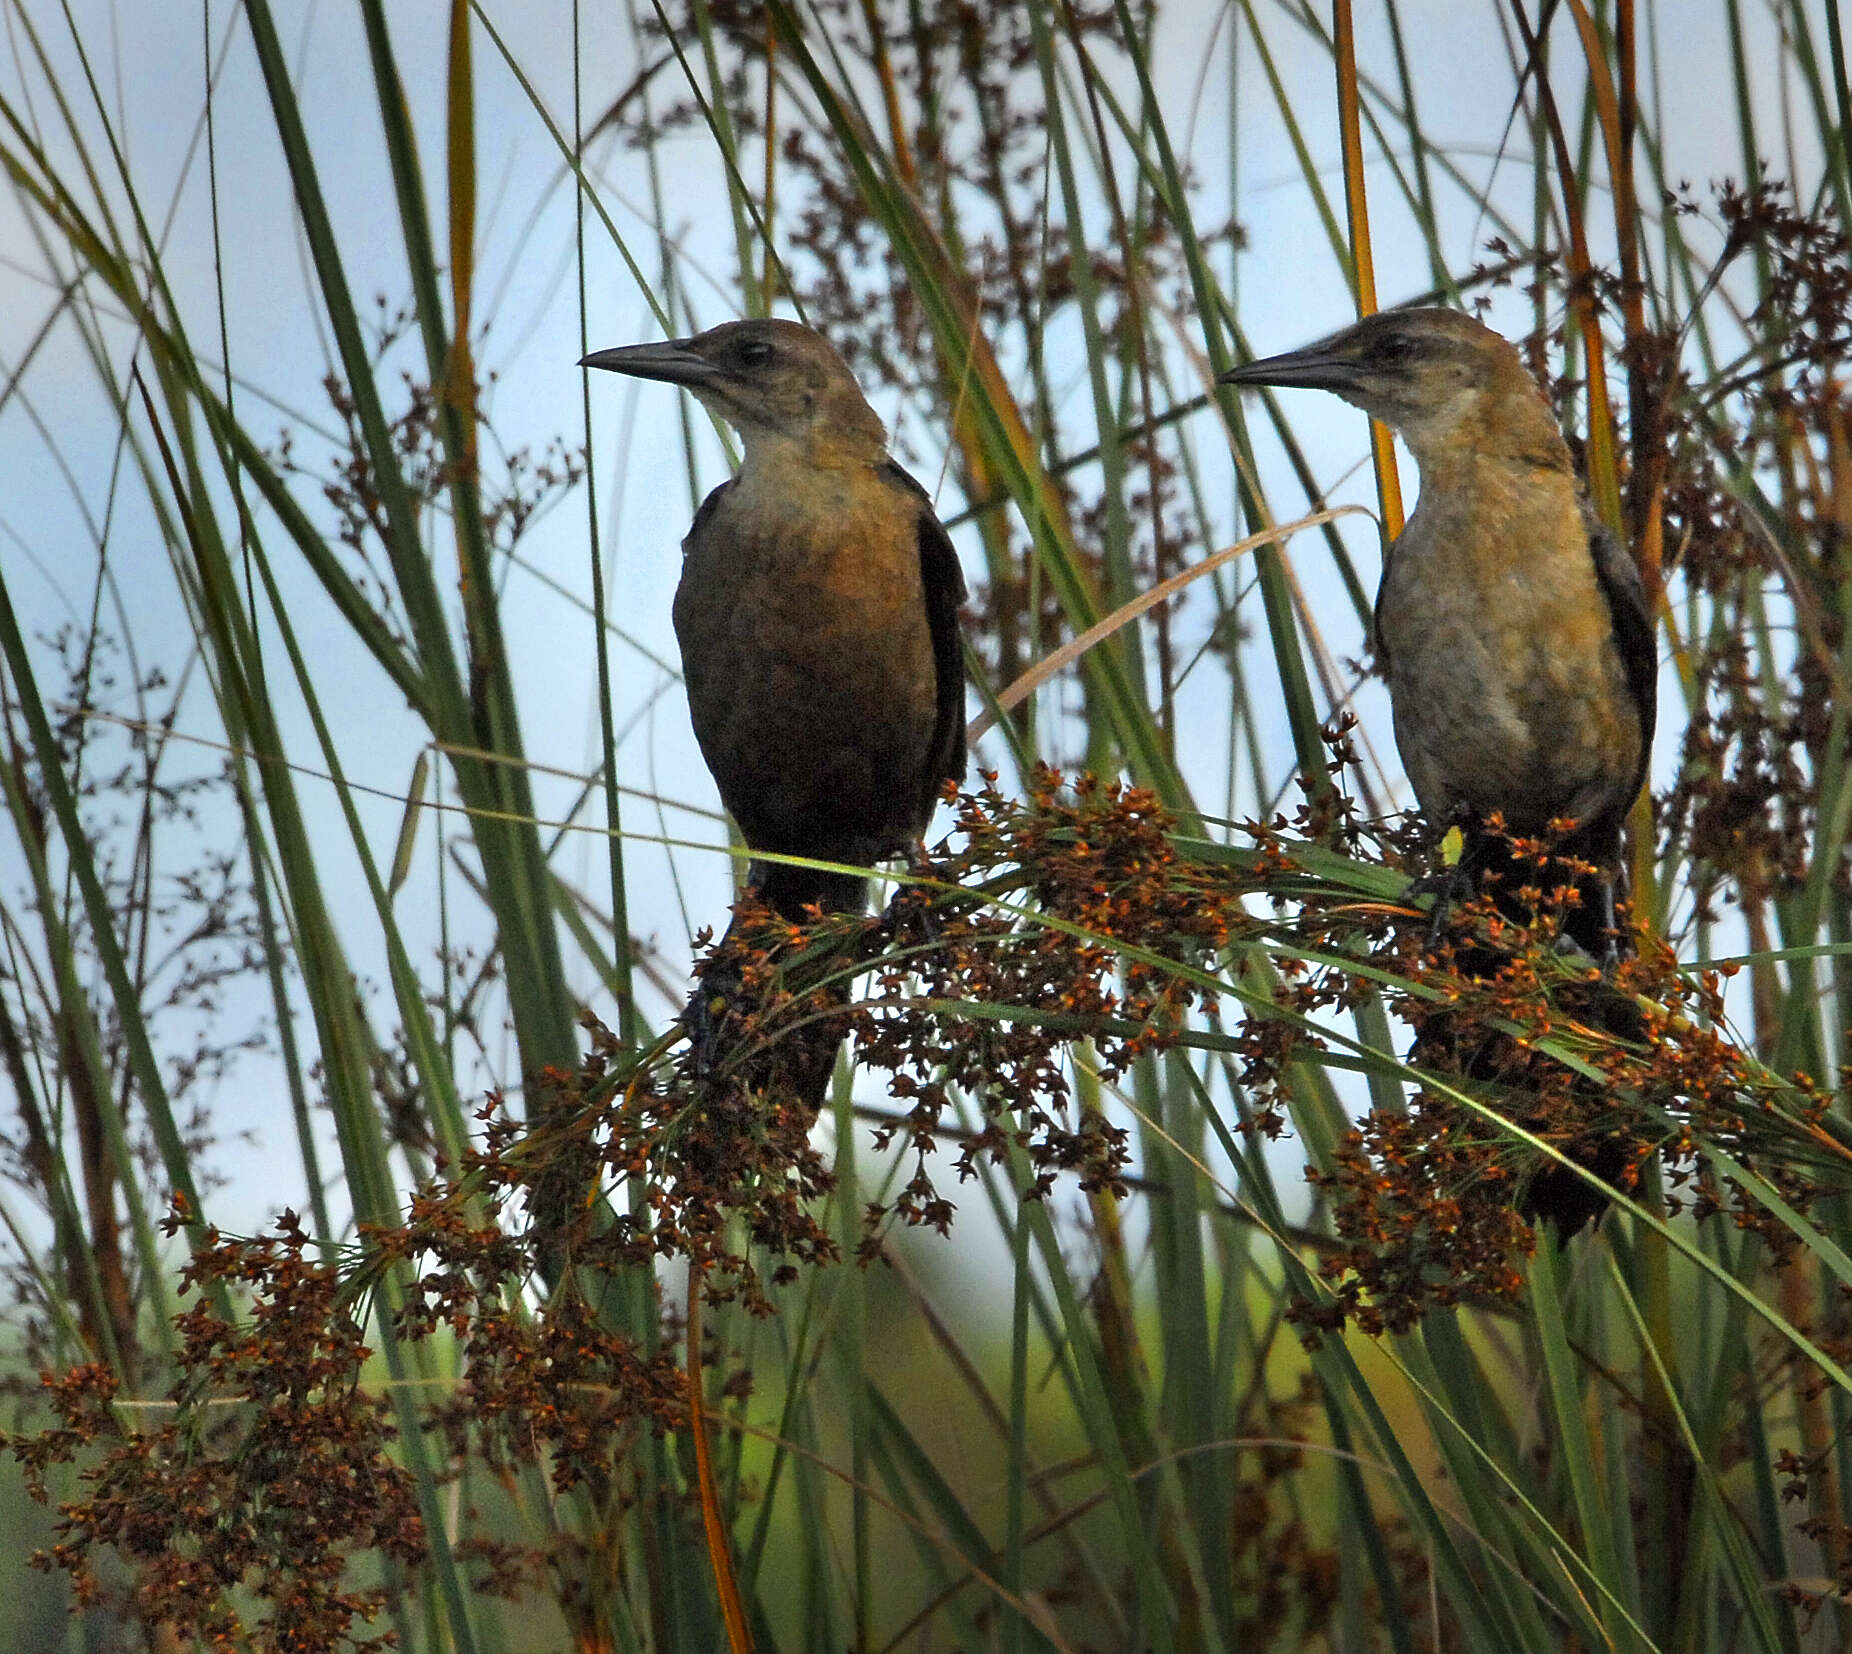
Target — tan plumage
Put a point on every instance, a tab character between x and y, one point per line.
1511	628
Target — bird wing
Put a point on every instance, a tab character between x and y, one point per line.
701	516
1634	633
1380	648
943	582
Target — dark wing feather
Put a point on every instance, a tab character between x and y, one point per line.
1376	616
701	516
1634	634
943	582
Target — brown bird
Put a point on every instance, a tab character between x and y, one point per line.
818	621
817	614
1519	649
1511	626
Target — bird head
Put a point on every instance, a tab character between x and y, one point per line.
775	382
1437	378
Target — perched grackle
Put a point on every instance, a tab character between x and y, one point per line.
818	621
817	614
1511	626
1519	650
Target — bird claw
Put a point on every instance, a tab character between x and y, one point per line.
919	913
902	904
1567	947
1449	885
1607	961
704	1018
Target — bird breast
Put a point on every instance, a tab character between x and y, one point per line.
1507	684
809	662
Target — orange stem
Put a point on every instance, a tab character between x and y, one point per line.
1350	128
720	1553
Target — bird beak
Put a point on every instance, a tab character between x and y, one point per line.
1330	365
672	361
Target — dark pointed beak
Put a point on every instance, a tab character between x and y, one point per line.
1328	366
671	361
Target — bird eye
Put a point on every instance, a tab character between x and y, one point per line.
754	353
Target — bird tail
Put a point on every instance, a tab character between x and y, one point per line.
1579	1116
1590	863
799	1061
791	891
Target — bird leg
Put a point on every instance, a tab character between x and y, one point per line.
1447	886
718	986
705	1016
1604	954
911	900
1610	930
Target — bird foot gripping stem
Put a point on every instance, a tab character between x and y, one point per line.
1448	886
1606	956
1610	931
705	1017
912	903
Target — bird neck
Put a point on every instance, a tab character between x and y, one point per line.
777	453
1505	425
